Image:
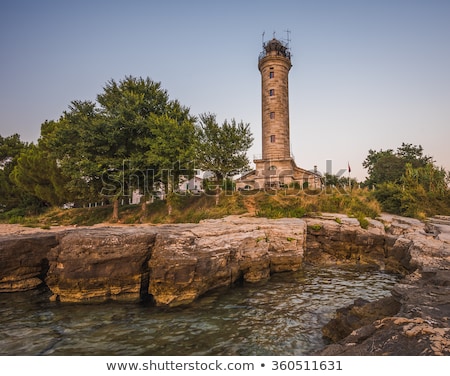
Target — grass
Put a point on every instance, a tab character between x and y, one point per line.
272	206
193	209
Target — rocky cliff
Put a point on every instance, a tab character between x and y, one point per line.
170	264
189	260
335	239
24	260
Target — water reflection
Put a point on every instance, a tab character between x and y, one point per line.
283	316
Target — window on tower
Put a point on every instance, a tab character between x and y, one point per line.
272	138
272	92
272	115
271	74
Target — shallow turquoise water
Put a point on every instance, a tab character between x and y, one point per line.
282	316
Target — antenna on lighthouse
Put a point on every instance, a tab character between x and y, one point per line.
263	38
288	35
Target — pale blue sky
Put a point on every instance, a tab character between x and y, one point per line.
366	74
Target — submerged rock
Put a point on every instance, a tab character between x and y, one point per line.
357	315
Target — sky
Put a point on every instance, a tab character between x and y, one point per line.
366	74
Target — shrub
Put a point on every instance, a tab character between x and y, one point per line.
363	221
315	227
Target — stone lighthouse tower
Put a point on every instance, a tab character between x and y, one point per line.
274	65
275	167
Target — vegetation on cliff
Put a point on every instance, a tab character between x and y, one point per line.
193	208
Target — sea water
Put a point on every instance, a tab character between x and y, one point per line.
282	316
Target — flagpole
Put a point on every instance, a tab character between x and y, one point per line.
349	170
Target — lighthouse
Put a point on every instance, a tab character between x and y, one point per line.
276	167
274	64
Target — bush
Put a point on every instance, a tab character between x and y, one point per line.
363	221
412	201
315	227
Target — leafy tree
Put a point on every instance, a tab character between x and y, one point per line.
171	147
158	132
77	142
11	196
103	148
389	166
413	154
222	149
408	182
10	148
38	175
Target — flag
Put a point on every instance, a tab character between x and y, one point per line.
349	169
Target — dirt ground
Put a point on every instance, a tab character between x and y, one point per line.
16	229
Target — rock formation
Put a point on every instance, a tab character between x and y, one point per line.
416	319
171	264
24	260
339	240
192	259
100	264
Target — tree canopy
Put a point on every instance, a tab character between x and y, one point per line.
108	147
389	166
222	149
10	195
407	182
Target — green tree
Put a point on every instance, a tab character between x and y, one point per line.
38	175
156	132
222	149
408	182
103	148
79	143
171	148
388	166
11	196
413	154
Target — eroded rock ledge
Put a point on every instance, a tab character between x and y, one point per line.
175	264
170	264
